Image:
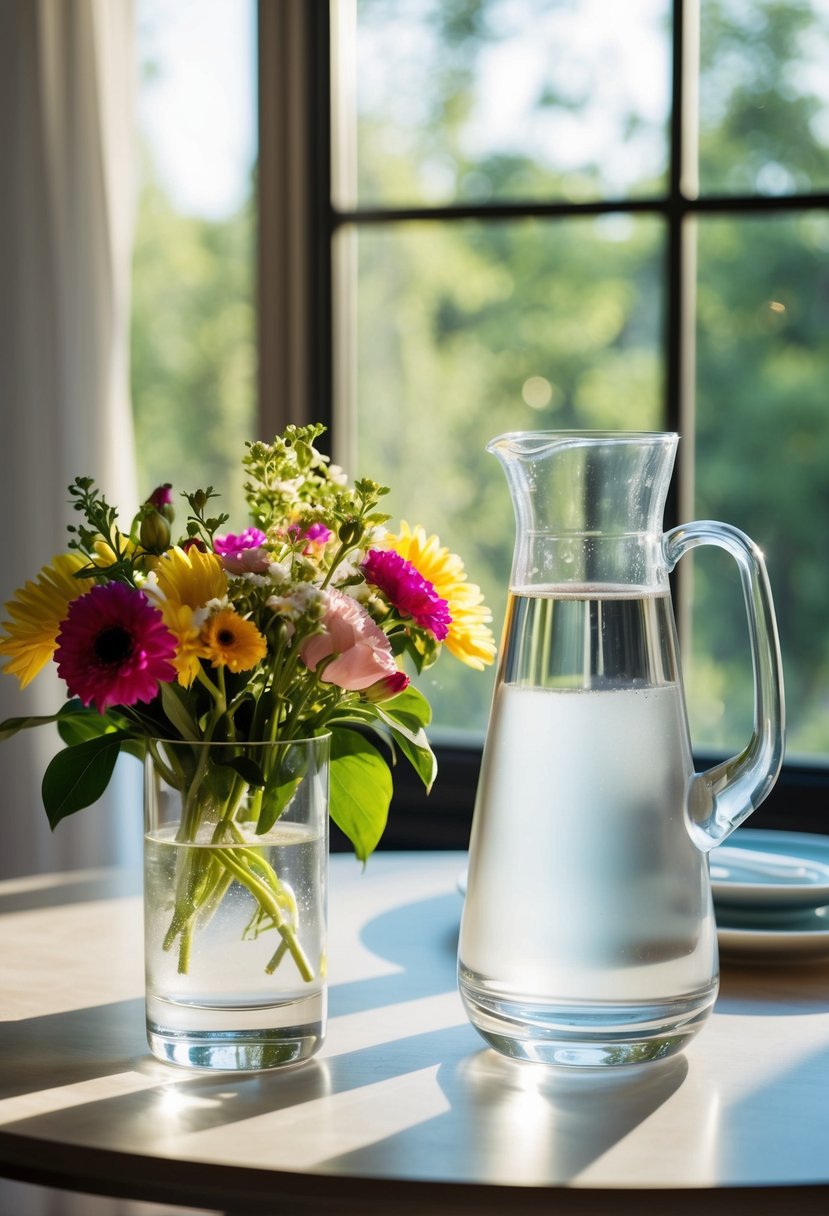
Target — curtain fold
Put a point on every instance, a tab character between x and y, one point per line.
67	87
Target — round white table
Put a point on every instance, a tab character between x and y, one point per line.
405	1110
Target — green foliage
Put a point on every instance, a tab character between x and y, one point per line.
470	328
361	789
281	785
78	776
193	349
407	715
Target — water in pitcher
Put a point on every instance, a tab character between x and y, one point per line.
603	899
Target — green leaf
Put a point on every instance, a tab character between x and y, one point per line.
12	725
409	704
247	769
407	724
77	724
419	754
361	789
405	716
136	748
78	776
283	783
173	702
70	711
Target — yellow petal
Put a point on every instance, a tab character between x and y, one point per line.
192	577
37	611
469	638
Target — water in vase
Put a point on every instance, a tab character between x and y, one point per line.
256	999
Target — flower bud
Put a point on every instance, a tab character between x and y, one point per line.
386	688
350	531
155	532
162	499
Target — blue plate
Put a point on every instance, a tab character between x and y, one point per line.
801	936
764	870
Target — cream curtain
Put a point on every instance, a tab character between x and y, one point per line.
66	218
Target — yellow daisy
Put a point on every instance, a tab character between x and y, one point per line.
469	638
37	612
189	646
231	641
192	577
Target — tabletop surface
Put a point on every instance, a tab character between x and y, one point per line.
405	1102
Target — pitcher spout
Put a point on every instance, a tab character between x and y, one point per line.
532	445
588	505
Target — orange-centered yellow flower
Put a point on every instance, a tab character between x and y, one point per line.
37	612
231	641
469	638
182	585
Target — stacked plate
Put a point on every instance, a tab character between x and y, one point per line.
771	896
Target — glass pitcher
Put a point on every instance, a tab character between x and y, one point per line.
588	933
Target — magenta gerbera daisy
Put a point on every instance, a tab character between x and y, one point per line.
407	589
114	648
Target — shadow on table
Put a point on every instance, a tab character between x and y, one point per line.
778	1131
508	1122
62	1050
796	988
498	1118
70	887
77	1045
467	1113
81	1045
421	938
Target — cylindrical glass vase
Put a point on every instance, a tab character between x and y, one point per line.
235	878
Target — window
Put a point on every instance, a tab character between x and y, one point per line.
549	215
539	214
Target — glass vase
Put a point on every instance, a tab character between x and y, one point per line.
235	876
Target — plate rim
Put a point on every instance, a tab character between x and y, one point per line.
805	895
773	945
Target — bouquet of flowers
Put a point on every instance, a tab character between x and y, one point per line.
296	627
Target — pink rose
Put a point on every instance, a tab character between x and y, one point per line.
361	649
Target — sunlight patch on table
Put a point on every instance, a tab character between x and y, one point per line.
357	1032
45	1102
301	1137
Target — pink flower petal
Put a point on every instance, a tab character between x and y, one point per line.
409	592
361	651
113	648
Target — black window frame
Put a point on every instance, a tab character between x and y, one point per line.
297	334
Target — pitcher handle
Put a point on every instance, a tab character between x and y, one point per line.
722	797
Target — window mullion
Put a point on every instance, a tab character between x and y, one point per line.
680	353
293	207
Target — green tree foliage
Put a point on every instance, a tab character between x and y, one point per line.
455	320
763	360
457	323
469	328
193	347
